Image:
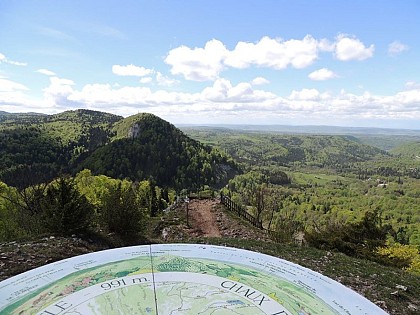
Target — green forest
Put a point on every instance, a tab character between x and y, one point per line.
93	173
338	191
326	177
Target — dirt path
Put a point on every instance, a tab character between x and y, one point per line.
203	218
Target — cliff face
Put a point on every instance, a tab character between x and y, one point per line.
134	131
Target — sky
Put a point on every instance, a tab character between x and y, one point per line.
331	62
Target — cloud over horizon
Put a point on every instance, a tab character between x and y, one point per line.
241	101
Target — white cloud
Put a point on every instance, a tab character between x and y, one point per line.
198	64
305	94
131	70
260	81
241	103
57	93
146	80
223	91
105	96
326	45
97	94
346	107
17	63
222	97
164	80
274	53
161	80
18	101
12	62
322	75
350	48
55	81
10	86
411	85
46	72
206	64
14	98
396	47
409	97
219	90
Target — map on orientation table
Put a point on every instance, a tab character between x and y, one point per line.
177	279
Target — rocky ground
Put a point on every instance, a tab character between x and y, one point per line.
17	257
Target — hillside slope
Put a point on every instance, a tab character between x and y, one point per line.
147	146
253	148
86	129
409	150
36	148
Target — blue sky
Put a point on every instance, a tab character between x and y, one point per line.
347	63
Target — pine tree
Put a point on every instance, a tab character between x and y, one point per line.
65	210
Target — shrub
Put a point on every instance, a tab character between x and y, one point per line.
121	212
358	239
403	256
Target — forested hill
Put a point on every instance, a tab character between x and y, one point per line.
410	150
146	146
19	118
36	148
254	148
